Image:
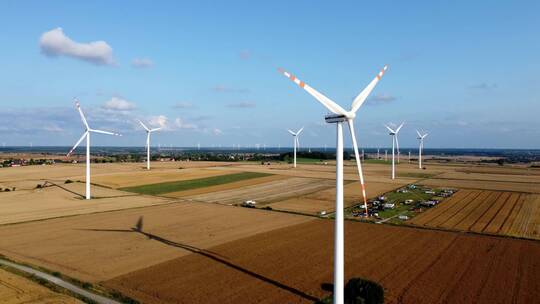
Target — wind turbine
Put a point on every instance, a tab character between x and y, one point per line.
86	134
421	138
338	117
296	143
148	132
395	143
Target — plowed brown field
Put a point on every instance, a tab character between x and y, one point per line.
493	212
289	265
100	246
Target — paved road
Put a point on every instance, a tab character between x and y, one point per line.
57	281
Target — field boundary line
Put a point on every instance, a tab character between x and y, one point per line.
465	205
497	213
467	196
496	195
510	213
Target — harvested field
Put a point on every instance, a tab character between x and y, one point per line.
101	246
495	182
268	192
373	173
15	289
492	212
50	202
182	185
228	186
138	178
325	200
289	265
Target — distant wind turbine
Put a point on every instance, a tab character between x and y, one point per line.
421	138
338	117
296	143
395	143
148	132
86	134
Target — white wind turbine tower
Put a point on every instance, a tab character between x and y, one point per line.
148	132
338	117
421	138
395	143
296	143
86	134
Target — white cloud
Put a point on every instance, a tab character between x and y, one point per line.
243	104
55	43
118	104
180	124
142	63
217	131
378	99
159	121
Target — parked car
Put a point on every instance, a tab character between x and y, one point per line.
249	204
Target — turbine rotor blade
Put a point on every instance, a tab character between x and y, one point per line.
155	129
292	133
104	132
300	131
400	126
419	135
397	143
77	144
358	163
144	126
78	105
389	129
361	98
327	102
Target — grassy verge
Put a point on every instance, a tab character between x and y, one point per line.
416	175
168	187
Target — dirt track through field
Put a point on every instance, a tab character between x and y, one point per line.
492	212
289	265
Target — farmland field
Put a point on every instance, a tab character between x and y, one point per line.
15	289
267	192
66	200
138	178
289	265
494	212
95	247
324	200
175	186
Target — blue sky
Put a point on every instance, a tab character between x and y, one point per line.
465	71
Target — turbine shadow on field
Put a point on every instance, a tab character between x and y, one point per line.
66	189
208	254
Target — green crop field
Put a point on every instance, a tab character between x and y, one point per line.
168	187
